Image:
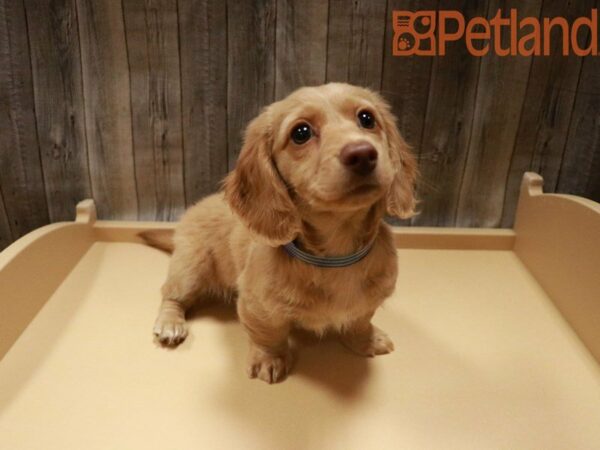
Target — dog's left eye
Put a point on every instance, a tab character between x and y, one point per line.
366	119
301	133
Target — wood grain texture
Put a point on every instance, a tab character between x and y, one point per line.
355	41
142	103
57	85
547	109
405	82
107	108
153	52
500	95
447	128
251	66
580	170
21	176
6	236
203	47
301	45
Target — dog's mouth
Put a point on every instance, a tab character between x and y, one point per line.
351	196
360	195
363	189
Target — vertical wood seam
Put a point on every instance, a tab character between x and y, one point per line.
577	92
348	52
10	228
35	119
85	130
425	112
274	91
227	85
85	118
468	148
12	236
37	136
275	77
431	66
386	18
327	42
182	148
514	146
135	180
226	129
13	233
183	178
18	110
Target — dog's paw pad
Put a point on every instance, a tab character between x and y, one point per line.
381	344
378	343
170	332
267	367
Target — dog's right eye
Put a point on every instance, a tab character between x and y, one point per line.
301	133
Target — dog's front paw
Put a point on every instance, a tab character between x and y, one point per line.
372	344
170	331
269	367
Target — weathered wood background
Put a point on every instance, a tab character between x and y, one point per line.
140	104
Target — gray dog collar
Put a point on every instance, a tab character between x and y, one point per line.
327	261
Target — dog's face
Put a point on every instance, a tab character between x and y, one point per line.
334	148
330	146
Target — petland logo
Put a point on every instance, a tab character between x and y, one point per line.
426	33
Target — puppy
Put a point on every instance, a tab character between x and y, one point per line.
297	234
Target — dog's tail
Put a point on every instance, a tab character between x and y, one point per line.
160	239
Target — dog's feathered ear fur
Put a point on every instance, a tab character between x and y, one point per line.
255	190
400	201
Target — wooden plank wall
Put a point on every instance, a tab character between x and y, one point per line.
142	103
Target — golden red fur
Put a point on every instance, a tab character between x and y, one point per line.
230	243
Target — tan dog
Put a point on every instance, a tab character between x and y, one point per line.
320	167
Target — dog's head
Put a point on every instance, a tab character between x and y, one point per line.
334	147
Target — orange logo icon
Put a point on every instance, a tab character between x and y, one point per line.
414	33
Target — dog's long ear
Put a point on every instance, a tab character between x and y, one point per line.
255	190
401	201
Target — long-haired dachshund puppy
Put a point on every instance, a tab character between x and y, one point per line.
297	234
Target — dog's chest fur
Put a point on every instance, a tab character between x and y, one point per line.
331	298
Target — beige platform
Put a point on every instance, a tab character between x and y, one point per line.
495	333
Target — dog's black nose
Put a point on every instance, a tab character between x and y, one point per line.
360	157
